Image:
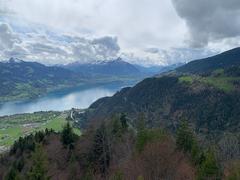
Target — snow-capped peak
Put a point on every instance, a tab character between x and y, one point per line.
14	60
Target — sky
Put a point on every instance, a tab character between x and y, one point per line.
147	32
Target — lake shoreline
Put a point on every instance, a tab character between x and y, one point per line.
62	89
79	97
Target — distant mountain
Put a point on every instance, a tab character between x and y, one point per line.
221	61
116	67
155	69
21	80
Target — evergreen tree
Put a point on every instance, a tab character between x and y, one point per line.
209	168
197	154
101	149
123	120
39	136
187	142
141	124
185	138
38	170
68	136
47	132
13	174
19	164
142	133
116	127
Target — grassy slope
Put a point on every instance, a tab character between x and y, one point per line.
12	127
221	82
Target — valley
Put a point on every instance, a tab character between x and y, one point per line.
119	90
189	116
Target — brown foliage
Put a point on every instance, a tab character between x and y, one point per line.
159	160
232	170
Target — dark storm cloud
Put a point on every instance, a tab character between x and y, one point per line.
209	20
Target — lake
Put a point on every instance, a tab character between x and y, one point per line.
79	97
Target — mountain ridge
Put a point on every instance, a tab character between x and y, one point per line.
116	67
204	66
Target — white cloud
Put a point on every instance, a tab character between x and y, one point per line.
135	23
53	48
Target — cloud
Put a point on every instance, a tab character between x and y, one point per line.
152	50
7	37
146	31
157	56
54	48
135	23
57	48
209	20
10	43
17	51
106	46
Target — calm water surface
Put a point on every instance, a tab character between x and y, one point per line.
61	100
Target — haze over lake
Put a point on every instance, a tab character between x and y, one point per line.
61	100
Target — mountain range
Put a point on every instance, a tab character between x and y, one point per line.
116	67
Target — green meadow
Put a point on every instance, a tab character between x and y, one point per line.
12	127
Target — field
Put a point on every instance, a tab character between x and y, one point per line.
12	127
221	82
186	79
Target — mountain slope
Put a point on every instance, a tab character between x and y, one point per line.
20	79
105	152
166	100
224	60
210	102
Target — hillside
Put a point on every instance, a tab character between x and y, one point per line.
24	80
210	101
114	149
221	61
110	151
166	100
